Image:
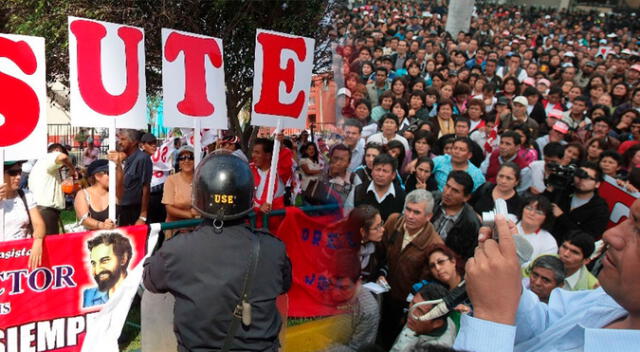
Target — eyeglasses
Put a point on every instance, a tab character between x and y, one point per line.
438	262
379	227
13	172
186	157
537	211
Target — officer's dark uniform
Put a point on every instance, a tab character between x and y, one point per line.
205	269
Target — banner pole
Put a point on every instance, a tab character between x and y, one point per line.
112	172
197	141
273	176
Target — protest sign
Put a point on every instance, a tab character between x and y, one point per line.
23	123
282	79
50	308
106	74
618	199
162	162
322	250
193	80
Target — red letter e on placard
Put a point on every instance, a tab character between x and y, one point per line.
272	74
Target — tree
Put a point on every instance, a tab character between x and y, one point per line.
235	22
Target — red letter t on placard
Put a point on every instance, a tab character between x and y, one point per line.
269	102
195	101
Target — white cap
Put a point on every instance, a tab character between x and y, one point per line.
521	100
569	54
344	91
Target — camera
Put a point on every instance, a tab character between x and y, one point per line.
561	176
489	217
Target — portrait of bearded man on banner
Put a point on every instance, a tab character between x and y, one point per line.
109	255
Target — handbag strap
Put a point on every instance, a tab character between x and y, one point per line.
246	292
26	207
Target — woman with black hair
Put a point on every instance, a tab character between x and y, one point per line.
371	150
422	176
421	147
510	88
363	114
311	166
389	127
507	181
536	218
399	88
397	150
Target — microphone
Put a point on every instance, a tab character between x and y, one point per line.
443	305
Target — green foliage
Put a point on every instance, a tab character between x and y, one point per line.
234	21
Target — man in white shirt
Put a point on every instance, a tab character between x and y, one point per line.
510	319
45	181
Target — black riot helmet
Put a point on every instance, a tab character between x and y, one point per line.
223	187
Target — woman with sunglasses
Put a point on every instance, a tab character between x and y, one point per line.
177	189
92	203
21	217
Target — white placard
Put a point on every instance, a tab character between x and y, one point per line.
106	74
193	80
282	69
23	121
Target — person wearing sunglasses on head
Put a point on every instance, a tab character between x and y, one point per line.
21	216
177	189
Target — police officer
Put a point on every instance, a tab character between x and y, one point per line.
225	277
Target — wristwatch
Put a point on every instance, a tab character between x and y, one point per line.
143	218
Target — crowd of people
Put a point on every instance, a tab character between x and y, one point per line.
534	107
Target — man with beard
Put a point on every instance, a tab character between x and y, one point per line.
110	254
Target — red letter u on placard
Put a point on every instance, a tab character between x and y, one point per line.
195	102
272	75
18	102
88	35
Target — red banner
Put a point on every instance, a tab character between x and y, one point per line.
618	199
47	308
322	252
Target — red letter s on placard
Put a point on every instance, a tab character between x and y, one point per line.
88	35
272	75
195	101
18	102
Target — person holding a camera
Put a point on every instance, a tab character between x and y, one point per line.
578	205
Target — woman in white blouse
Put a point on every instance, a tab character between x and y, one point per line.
537	215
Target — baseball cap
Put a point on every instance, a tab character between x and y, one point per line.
544	81
344	91
555	113
520	100
561	127
148	138
529	81
569	54
11	163
503	101
100	165
636	67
